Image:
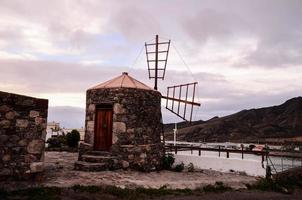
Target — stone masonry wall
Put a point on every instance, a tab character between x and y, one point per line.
136	124
23	123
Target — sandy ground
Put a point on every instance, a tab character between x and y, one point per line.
59	172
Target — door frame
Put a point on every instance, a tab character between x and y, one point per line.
99	107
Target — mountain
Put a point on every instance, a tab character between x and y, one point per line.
282	121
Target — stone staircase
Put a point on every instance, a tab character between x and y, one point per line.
98	161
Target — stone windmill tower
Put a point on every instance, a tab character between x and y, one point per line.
123	123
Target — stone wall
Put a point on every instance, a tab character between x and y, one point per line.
22	135
137	124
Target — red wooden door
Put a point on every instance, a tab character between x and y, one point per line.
103	130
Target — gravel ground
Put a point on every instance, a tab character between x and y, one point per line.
59	172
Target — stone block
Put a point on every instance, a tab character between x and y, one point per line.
36	167
23	142
36	146
90	126
125	164
14	139
4	123
29	158
39	121
118	109
6	158
119	127
33	114
22	123
5	172
4	108
91	108
10	115
3	139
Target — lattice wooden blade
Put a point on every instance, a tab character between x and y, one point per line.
157	59
179	102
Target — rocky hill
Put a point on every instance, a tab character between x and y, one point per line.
282	121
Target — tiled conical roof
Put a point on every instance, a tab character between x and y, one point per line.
123	81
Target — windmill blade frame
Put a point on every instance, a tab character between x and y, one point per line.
178	100
153	67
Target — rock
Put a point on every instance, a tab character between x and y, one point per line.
125	164
22	123
119	127
14	138
143	155
3	139
4	124
4	108
35	146
36	167
90	125
91	108
23	142
39	121
10	115
5	172
6	158
30	158
130	130
33	114
118	109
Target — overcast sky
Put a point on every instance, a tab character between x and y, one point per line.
244	54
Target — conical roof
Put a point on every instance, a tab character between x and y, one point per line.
122	81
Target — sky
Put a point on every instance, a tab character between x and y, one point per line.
243	53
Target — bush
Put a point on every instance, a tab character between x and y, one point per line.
179	167
56	142
191	167
73	138
168	161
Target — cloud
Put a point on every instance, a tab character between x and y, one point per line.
243	53
69	117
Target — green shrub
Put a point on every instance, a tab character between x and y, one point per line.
191	167
168	161
179	167
73	138
56	142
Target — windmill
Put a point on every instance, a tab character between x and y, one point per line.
180	98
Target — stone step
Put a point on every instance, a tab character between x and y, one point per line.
99	153
99	159
87	166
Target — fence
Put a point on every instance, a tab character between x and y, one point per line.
278	161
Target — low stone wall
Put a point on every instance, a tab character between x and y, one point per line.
23	122
146	157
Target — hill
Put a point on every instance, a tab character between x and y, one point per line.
282	121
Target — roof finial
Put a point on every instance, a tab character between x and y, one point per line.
125	73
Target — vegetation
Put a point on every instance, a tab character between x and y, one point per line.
191	167
284	186
52	193
168	161
57	142
73	138
179	167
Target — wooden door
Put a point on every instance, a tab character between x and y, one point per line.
103	130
